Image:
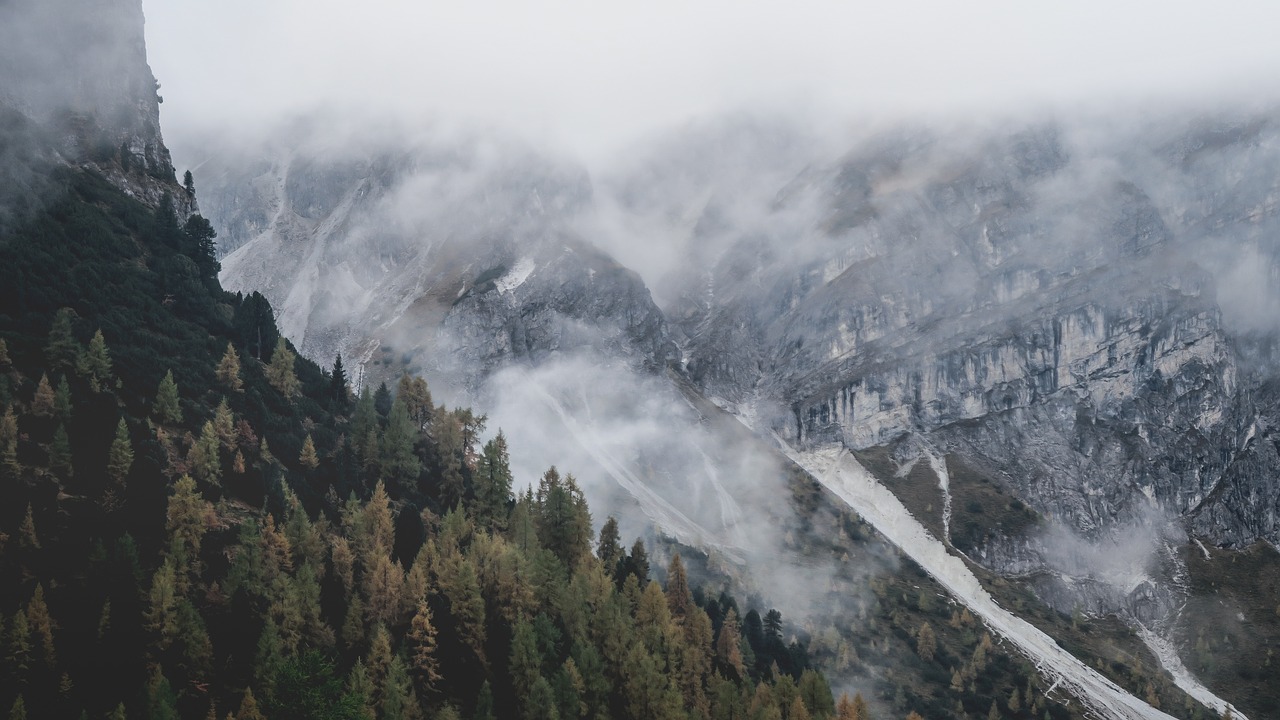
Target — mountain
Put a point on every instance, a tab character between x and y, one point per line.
1051	340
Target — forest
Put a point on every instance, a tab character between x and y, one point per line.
197	522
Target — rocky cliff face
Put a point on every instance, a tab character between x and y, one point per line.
74	82
446	257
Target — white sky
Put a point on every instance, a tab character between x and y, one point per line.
589	75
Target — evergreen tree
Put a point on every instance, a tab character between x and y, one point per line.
18	650
399	463
19	709
382	400
280	371
307	458
339	393
200	234
62	400
162	702
120	456
60	453
42	403
62	351
189	184
399	702
228	371
562	518
609	547
493	485
5	362
95	363
185	516
166	408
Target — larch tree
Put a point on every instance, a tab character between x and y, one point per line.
18	711
729	645
41	624
308	458
95	363
27	537
228	371
166	408
224	425
185	516
679	596
120	455
203	457
417	399
249	707
926	642
422	648
280	372
42	402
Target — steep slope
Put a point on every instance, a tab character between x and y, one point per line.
449	255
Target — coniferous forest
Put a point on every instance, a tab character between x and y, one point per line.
199	523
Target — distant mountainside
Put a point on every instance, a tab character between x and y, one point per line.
1074	318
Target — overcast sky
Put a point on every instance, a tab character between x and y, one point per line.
592	74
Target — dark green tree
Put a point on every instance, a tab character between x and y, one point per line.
166	408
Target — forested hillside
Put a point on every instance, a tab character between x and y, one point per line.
198	523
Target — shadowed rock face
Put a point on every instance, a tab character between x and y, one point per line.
74	81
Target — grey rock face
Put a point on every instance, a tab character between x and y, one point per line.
1056	307
78	70
448	257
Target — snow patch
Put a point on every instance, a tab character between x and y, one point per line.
516	276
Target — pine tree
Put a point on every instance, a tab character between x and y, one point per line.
422	648
42	403
162	702
994	713
62	400
280	371
307	458
27	535
189	184
382	400
338	390
19	709
161	616
120	456
62	351
95	363
493	484
399	702
119	713
609	548
166	408
798	711
399	462
5	362
18	651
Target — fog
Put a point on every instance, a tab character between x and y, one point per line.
590	77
